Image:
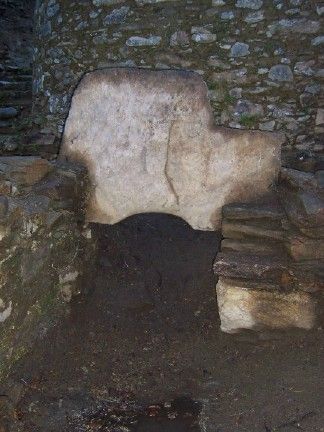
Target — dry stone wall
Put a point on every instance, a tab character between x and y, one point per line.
271	262
262	60
42	241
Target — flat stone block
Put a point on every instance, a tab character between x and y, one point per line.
149	143
254	309
24	170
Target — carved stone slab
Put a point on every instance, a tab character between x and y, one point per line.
149	143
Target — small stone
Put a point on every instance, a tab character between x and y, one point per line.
137	41
319	40
7	113
305	68
218	3
24	170
296	25
249	4
179	38
240	49
281	73
319	117
202	35
227	16
117	16
52	8
254	17
267	126
320	10
313	89
144	2
245	107
107	2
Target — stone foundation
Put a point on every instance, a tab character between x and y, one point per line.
42	245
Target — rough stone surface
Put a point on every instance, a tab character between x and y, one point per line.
197	36
154	148
272	254
41	244
254	309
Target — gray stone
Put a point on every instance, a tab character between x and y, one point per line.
281	73
179	38
244	107
167	156
240	49
227	16
295	25
319	117
117	16
268	126
241	307
202	35
254	17
7	113
137	41
144	2
218	2
52	8
249	4
319	40
305	68
107	2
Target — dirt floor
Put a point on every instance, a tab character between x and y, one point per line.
143	351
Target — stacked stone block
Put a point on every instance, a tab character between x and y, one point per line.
271	262
41	249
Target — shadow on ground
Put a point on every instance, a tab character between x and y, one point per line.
143	351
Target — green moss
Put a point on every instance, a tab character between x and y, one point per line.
248	120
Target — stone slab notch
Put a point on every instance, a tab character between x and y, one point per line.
150	145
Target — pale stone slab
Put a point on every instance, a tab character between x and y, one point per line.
149	143
245	308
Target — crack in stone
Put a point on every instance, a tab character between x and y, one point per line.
168	178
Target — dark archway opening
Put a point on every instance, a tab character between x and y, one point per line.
156	270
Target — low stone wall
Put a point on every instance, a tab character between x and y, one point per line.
261	59
272	257
41	247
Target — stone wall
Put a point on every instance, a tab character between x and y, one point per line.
16	52
41	245
262	60
271	262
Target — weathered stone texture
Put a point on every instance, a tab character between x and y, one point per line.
149	143
272	258
261	60
41	245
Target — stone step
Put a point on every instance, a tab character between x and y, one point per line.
254	246
253	267
242	230
263	308
242	211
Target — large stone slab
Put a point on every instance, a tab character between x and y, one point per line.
258	309
149	143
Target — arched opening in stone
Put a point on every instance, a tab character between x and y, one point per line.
152	273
